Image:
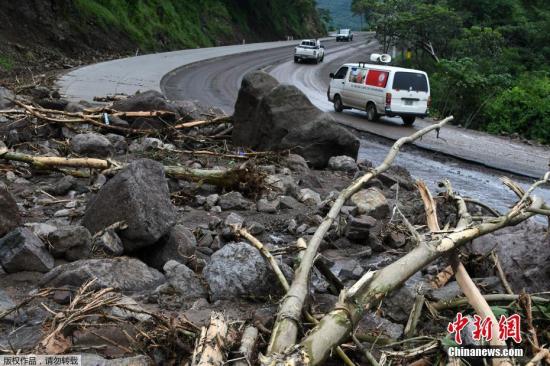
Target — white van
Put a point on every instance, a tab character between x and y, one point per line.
380	90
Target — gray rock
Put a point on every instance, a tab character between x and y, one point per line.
91	144
264	205
122	273
269	116
398	304
289	202
193	110
179	245
309	197
71	242
342	163
396	239
137	195
22	250
234	220
109	242
233	201
239	270
255	228
73	107
347	269
200	200
212	199
5	96
150	100
9	212
6	303
184	280
297	163
119	143
523	253
371	202
62	186
282	183
359	228
25	337
373	324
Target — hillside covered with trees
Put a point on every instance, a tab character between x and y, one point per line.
40	32
488	60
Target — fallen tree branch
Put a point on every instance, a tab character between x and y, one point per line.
285	329
366	294
229	178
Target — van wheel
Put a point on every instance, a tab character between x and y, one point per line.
408	120
296	60
372	114
338	106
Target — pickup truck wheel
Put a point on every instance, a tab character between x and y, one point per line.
408	120
296	60
323	58
338	106
372	114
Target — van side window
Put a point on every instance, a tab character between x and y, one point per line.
357	75
341	74
377	78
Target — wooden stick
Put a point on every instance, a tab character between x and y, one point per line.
542	354
248	343
210	347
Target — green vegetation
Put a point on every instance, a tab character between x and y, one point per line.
488	60
6	63
171	24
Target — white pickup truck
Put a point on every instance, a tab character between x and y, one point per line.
309	50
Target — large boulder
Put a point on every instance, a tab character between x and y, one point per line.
523	252
269	116
139	196
239	270
123	274
9	212
21	250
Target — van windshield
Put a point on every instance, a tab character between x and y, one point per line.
410	81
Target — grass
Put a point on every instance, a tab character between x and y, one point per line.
171	24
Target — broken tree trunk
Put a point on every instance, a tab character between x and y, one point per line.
285	330
209	350
228	178
335	327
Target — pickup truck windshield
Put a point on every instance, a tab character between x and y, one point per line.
344	31
410	81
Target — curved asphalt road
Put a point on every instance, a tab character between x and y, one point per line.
212	75
216	82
